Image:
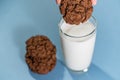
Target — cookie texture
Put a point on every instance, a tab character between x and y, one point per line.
76	11
40	54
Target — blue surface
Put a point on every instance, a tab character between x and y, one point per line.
21	19
107	50
62	73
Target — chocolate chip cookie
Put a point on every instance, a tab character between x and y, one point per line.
76	11
40	54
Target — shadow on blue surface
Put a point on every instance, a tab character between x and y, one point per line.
62	73
55	74
94	73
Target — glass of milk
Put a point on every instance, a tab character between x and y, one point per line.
77	43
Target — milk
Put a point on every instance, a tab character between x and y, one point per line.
78	44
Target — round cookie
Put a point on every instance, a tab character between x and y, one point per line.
76	11
41	54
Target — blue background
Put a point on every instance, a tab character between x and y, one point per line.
21	19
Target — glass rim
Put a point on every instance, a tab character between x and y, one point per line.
95	24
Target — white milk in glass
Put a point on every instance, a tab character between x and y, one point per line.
78	44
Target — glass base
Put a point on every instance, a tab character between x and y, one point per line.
78	71
72	70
